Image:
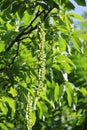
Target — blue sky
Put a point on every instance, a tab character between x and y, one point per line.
79	9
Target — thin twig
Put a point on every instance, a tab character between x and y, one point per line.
17	51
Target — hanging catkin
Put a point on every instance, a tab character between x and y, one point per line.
42	59
29	111
41	76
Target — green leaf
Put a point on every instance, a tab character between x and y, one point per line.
75	42
42	109
44	6
56	67
3	126
15	7
67	23
10	101
21	11
9	26
65	62
83	91
39	110
76	32
10	125
62	58
69	5
48	101
27	18
83	36
2	47
56	92
69	96
33	118
62	44
68	60
13	92
66	67
31	92
1	21
81	2
51	3
74	15
5	5
80	34
3	107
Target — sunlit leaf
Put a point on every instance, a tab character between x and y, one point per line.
56	92
77	16
2	126
10	101
2	47
13	92
33	118
83	91
42	109
69	96
62	44
10	125
75	42
3	107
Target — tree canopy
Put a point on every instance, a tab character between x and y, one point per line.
43	69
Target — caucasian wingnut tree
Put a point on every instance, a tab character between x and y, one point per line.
37	42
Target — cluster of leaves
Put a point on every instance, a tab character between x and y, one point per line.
60	104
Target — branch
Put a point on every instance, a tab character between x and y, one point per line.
22	33
33	28
25	29
45	16
17	51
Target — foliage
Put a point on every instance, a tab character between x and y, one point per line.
42	69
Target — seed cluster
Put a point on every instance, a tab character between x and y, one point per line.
29	111
42	60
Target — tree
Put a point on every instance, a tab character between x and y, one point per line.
38	49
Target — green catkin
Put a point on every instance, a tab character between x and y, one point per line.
41	76
29	109
42	60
